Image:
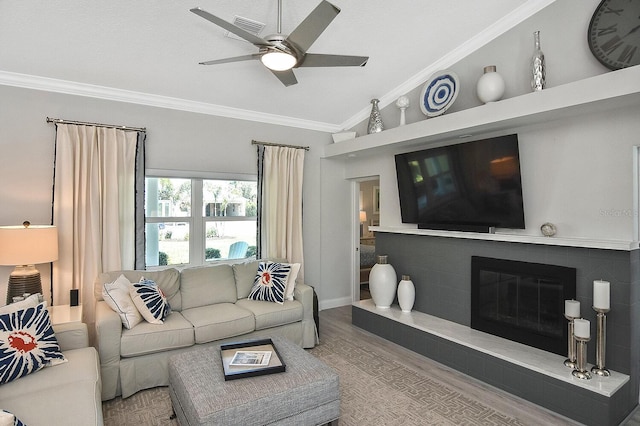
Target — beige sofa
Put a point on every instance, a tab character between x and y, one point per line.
209	305
66	394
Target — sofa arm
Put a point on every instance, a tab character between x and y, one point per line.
304	294
108	333
73	335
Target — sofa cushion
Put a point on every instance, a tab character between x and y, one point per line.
150	301
207	286
118	297
27	343
168	280
9	419
76	382
145	338
219	321
245	275
268	314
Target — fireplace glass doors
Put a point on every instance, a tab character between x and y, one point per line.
522	301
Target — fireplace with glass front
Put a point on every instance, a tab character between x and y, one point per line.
522	301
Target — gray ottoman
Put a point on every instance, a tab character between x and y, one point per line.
307	393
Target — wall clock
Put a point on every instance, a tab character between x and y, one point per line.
614	33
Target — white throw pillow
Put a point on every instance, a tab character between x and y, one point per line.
6	418
29	302
118	297
291	281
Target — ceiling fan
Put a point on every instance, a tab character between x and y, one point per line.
280	53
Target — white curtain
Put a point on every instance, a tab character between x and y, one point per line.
281	199
93	208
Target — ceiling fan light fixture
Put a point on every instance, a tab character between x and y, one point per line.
278	61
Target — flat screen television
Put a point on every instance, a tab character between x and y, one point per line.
473	186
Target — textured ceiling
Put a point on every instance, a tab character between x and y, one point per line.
153	48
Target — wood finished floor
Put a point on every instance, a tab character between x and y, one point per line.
337	321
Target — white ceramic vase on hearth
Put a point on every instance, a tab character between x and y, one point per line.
406	294
382	283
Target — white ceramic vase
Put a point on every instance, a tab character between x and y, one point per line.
382	283
490	87
406	294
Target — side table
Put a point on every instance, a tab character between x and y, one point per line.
63	314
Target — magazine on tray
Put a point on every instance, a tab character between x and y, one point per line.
250	358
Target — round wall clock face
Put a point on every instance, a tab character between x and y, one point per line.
614	33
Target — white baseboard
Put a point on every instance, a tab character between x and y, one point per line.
334	303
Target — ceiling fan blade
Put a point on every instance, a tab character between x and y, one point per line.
288	78
234	59
313	25
231	28
320	60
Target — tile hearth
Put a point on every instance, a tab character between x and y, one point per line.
531	373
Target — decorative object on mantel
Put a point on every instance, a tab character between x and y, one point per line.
406	294
490	87
343	136
582	332
375	121
382	283
548	229
611	35
402	103
601	304
439	93
538	68
571	313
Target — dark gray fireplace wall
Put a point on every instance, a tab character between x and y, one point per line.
440	269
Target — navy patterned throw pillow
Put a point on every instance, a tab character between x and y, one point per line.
270	282
27	343
150	301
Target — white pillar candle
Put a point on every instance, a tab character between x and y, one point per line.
581	328
601	294
572	308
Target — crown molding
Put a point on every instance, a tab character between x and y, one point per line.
120	95
501	26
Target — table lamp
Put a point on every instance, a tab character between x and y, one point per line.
24	247
363	219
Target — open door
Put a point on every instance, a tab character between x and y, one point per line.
366	214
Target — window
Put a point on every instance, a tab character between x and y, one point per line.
196	221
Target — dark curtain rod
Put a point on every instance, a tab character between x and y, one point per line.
84	123
306	148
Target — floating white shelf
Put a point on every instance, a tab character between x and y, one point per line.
607	91
515	238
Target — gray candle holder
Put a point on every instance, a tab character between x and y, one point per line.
571	343
601	343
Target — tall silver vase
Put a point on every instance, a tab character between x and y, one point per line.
538	69
375	121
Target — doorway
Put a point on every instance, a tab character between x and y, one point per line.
366	215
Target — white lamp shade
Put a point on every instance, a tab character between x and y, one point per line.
278	61
363	216
28	246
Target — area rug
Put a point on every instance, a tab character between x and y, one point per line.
375	390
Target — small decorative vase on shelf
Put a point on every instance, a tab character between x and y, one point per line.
382	283
406	293
375	121
402	103
538	69
490	87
